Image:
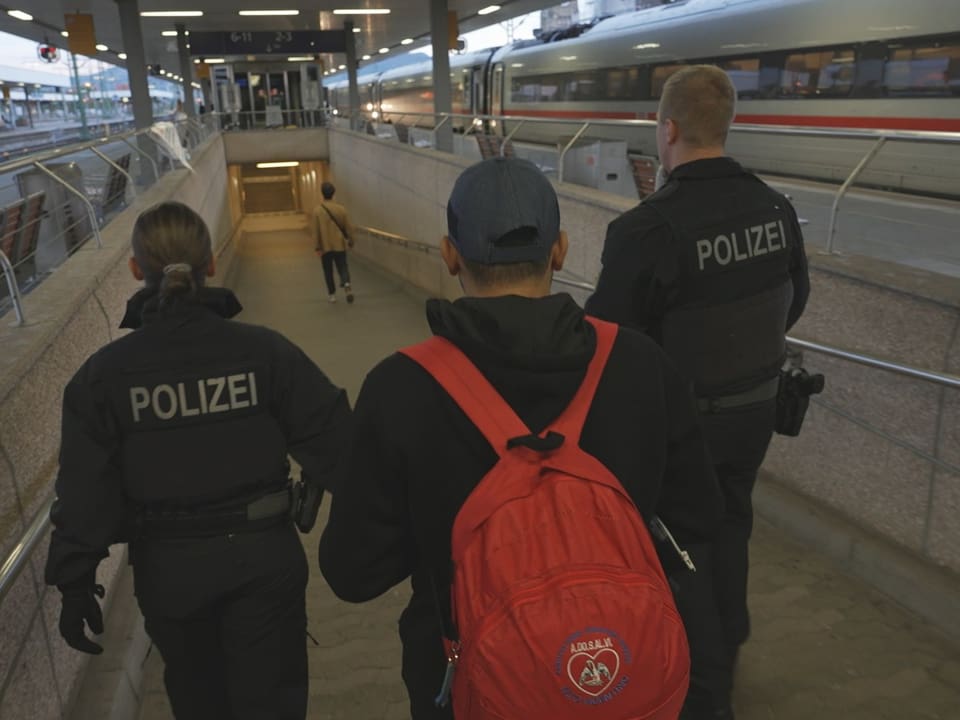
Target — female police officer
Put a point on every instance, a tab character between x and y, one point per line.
175	439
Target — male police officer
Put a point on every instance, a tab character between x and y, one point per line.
712	266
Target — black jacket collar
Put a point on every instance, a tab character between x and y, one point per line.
143	307
708	168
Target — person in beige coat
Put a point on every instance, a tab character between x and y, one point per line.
335	234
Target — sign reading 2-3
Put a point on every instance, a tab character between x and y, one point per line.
265	43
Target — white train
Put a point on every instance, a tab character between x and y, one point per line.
836	64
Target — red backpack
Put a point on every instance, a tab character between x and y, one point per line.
560	604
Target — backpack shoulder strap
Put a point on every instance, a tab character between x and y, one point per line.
478	399
571	421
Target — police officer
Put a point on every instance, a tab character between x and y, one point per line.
711	266
175	439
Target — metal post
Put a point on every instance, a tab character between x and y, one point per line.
13	287
84	133
846	186
563	153
156	170
503	145
131	184
352	76
186	69
86	201
442	95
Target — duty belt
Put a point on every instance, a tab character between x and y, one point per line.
767	390
259	514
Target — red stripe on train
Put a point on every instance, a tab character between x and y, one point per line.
824	121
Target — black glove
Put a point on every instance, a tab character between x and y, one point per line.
307	497
78	605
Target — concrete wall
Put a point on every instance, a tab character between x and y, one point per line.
254	146
70	315
879	454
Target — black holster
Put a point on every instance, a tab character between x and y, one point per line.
793	399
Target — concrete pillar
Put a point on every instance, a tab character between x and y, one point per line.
186	70
352	76
132	36
442	96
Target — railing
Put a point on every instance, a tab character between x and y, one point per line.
272	118
471	124
25	546
52	203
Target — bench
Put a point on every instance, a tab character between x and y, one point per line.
490	146
19	235
108	192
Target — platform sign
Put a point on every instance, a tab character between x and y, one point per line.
267	43
81	38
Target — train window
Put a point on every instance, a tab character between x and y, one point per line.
660	75
583	86
923	71
827	73
623	84
537	88
744	74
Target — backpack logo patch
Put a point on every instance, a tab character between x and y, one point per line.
593	663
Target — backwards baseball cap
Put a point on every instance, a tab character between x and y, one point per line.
493	199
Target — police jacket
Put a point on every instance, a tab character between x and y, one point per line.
712	266
188	411
416	457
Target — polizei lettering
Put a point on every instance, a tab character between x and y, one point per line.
195	397
740	245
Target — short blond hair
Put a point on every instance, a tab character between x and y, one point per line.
702	101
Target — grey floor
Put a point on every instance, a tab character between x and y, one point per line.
824	646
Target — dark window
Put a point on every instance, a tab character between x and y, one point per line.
824	73
928	70
744	74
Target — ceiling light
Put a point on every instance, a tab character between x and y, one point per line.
169	33
268	12
163	72
290	163
365	57
20	15
196	61
407	41
173	13
64	33
488	9
122	56
214	61
300	58
384	51
357	30
361	11
101	47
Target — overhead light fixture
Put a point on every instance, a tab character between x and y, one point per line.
173	13
214	61
290	163
300	58
488	9
384	51
20	15
101	47
169	33
407	41
356	29
122	56
196	61
64	33
365	57
361	11
163	72
268	12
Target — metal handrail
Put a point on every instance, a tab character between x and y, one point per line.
14	288
395	239
21	552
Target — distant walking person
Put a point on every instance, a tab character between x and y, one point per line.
334	235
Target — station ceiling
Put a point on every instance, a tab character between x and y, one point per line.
407	19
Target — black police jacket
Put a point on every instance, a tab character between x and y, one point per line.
189	410
416	457
712	266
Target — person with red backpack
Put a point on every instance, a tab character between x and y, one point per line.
511	466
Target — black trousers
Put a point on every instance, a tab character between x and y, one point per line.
228	615
713	600
338	258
